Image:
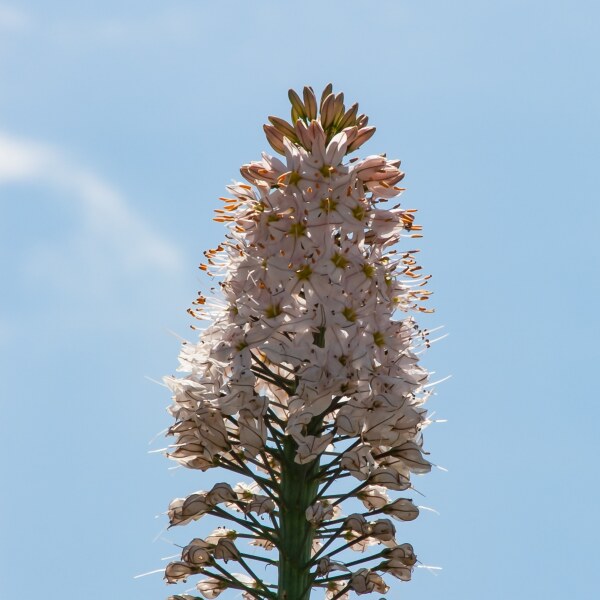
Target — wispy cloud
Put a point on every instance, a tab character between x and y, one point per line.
105	217
172	24
13	19
95	261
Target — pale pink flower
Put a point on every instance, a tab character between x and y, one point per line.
307	357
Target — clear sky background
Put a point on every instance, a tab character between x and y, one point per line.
120	125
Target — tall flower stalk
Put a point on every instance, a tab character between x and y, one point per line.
305	382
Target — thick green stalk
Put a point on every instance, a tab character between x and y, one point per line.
298	491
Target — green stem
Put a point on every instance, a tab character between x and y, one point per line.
298	491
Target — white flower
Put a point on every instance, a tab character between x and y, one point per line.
319	512
389	479
211	587
358	462
263	543
334	588
220	533
308	361
260	505
373	497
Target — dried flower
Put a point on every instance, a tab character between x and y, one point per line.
366	581
197	553
221	493
403	553
225	550
178	571
402	509
383	530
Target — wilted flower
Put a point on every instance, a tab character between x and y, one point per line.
366	581
178	571
183	510
197	553
403	553
373	497
356	522
383	530
326	565
221	493
397	568
259	504
402	509
225	550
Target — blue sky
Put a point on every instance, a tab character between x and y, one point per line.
120	125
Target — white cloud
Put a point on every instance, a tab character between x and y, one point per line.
93	262
12	19
172	24
106	220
